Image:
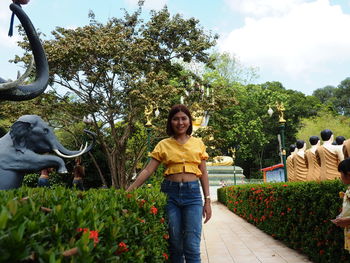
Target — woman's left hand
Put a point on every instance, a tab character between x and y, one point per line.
207	211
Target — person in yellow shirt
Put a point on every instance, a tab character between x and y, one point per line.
184	157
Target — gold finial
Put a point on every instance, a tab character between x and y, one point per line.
280	109
233	152
148	113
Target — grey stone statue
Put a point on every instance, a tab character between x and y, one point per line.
23	149
15	90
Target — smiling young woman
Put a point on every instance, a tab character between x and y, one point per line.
184	157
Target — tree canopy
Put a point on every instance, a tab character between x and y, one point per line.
115	70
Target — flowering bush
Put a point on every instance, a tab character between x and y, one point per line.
297	213
61	225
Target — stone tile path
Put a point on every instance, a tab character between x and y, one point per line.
228	238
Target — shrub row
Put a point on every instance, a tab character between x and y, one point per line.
296	213
64	225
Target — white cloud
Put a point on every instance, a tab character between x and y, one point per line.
149	4
263	7
5	16
5	12
6	41
308	38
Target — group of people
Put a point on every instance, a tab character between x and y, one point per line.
319	162
328	161
78	173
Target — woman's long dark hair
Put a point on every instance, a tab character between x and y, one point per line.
175	109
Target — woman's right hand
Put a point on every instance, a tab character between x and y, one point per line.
342	222
143	176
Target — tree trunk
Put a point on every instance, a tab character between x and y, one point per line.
113	170
103	179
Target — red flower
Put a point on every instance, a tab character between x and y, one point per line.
166	236
282	214
162	220
129	196
84	230
165	255
94	235
142	220
285	185
322	252
122	247
153	210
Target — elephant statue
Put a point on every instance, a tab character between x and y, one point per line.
25	148
15	90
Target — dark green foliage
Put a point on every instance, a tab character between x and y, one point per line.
55	180
31	180
336	98
28	230
296	213
248	127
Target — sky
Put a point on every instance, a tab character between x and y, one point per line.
304	44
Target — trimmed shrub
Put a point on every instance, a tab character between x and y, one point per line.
63	225
55	179
30	180
296	213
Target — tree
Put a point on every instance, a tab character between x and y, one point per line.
247	126
227	67
324	120
115	70
342	103
336	98
326	94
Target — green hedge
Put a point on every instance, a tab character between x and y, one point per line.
296	213
105	225
55	179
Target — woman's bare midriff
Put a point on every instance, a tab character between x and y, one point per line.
181	177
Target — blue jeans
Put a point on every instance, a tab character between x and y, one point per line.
184	210
78	184
43	182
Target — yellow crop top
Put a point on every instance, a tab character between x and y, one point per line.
180	158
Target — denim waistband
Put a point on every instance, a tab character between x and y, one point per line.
190	184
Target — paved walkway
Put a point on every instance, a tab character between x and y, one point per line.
229	238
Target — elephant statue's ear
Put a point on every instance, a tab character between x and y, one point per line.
18	132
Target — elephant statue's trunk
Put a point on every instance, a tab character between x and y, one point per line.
63	152
30	91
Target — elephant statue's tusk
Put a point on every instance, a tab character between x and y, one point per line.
19	80
70	156
31	90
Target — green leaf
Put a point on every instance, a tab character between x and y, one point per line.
20	231
12	205
4	216
52	258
